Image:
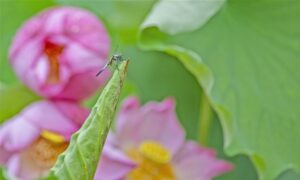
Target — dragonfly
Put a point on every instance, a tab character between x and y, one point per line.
115	60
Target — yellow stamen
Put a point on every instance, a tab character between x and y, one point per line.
53	137
53	76
153	162
155	152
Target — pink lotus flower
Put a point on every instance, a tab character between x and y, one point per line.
58	53
149	143
31	141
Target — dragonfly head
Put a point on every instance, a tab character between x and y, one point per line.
117	57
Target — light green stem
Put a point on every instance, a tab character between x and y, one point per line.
204	120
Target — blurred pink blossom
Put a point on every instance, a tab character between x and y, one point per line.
149	143
31	141
58	53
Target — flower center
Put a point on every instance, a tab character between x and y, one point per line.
45	150
53	51
153	161
155	152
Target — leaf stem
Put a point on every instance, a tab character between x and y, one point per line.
204	120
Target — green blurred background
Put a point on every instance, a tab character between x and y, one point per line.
152	75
